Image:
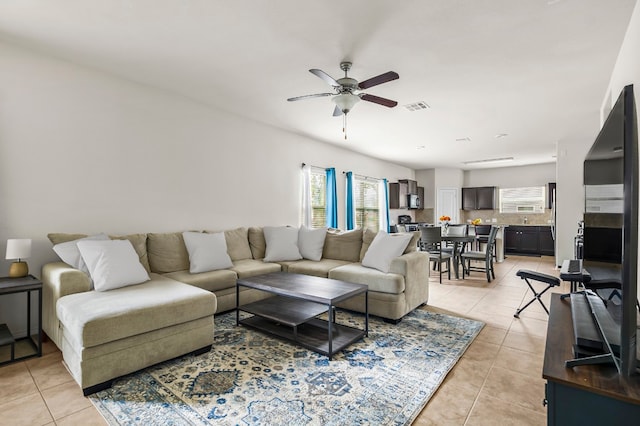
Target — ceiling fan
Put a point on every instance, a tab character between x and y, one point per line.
345	88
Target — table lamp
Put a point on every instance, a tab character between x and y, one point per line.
18	249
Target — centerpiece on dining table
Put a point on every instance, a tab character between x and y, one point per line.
444	220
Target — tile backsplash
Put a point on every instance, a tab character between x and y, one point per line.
506	218
428	216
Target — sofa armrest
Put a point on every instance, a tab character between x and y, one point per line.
59	280
414	267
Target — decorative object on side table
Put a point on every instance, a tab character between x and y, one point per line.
10	285
18	249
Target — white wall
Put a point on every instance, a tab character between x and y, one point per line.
512	177
83	151
627	69
569	193
426	179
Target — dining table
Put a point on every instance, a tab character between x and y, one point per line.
457	240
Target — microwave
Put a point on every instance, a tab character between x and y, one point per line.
413	201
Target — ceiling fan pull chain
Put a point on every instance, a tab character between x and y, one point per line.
344	126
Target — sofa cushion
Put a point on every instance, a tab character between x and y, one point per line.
251	267
93	318
343	245
311	242
376	280
167	252
282	243
369	234
69	253
384	248
413	244
207	252
112	263
139	242
257	242
367	237
238	244
211	281
317	268
60	237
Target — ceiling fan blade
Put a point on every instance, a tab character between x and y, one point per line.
326	77
378	100
317	95
382	78
337	112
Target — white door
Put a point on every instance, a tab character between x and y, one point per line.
447	204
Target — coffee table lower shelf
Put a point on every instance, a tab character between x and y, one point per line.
311	334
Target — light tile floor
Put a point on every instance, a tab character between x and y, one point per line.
497	381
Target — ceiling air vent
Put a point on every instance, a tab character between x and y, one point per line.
417	106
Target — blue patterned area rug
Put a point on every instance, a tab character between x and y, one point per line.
249	378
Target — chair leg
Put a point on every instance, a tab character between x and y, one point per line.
449	269
487	267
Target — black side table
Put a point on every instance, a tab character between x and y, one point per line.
22	285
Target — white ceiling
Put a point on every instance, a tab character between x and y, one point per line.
536	70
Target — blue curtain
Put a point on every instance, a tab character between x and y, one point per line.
332	199
351	217
386	204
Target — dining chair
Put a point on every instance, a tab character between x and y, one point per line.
455	231
455	249
486	256
431	242
482	237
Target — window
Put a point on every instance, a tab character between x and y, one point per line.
522	200
318	198
366	198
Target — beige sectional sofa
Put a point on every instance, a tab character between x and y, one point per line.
104	335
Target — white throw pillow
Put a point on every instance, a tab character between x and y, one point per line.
384	248
282	243
311	242
207	252
112	264
69	253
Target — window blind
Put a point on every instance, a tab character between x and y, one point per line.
530	199
366	197
318	198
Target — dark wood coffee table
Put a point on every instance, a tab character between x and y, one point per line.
293	310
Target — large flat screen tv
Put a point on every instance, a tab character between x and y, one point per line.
611	214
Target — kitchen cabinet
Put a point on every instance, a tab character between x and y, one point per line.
411	185
479	198
397	195
421	197
521	239
546	243
398	192
528	240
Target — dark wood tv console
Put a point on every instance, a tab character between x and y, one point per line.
587	394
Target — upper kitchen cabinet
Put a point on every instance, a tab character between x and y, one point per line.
421	197
399	194
479	198
411	185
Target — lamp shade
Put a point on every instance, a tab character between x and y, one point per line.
18	248
346	101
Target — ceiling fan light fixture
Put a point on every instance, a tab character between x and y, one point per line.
345	101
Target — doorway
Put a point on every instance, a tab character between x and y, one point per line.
447	204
